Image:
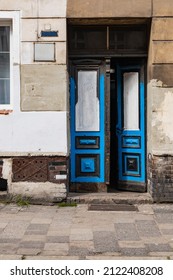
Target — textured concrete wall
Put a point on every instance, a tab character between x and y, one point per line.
162	120
159	103
39	192
48	78
108	8
35	8
43	88
162	8
161	82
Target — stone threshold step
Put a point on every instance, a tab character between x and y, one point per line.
109	198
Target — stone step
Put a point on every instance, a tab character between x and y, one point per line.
101	198
117	198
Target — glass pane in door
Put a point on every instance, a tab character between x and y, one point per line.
131	100
87	103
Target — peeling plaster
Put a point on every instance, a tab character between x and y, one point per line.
156	83
165	116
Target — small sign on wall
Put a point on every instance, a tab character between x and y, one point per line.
44	52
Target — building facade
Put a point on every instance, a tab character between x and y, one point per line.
86	97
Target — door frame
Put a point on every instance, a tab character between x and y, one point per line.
132	186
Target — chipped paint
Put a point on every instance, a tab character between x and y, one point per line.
165	115
162	120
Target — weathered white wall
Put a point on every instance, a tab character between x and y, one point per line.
34	133
42	192
45	131
33	8
161	119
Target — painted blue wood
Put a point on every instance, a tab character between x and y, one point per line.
88	165
131	142
87	142
87	162
126	169
130	148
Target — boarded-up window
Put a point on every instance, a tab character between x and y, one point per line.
87	38
107	39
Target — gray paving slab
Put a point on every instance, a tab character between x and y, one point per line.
79	251
3	225
163	208
57	239
134	251
131	244
34	237
81	248
126	231
37	227
58	232
152	247
148	228
164	217
105	241
31	244
35	232
14	229
167	231
41	220
9	240
10	257
79	234
28	252
49	232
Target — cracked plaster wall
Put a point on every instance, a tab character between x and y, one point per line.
162	120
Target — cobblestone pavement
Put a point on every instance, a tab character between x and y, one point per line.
52	232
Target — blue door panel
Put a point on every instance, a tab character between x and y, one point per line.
131	143
87	147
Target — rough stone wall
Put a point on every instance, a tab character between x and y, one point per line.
160	170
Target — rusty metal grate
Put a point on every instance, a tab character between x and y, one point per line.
112	207
32	169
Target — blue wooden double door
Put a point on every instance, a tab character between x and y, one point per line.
107	124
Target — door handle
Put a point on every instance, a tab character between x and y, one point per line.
119	130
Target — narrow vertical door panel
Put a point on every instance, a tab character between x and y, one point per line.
130	129
87	124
